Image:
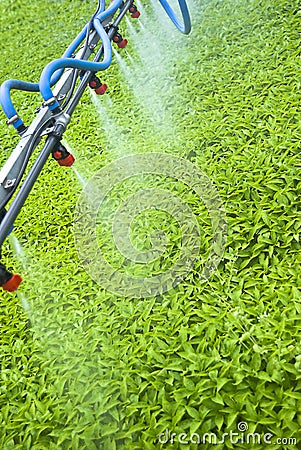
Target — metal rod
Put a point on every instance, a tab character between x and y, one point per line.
25	189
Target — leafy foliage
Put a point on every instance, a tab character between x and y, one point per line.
81	368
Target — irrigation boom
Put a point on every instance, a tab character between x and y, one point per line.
69	76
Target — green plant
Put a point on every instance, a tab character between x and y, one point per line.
85	369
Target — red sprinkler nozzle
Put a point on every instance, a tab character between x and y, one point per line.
135	15
117	38
13	283
134	12
94	84
9	281
101	89
98	87
121	43
62	156
66	162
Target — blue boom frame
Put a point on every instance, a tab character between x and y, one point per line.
68	76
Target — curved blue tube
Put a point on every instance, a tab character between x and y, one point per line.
7	86
110	10
51	68
53	71
5	99
45	85
76	42
184	27
103	5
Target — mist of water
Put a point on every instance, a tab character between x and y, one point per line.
78	168
69	148
142	10
24	302
146	68
20	256
17	249
130	26
79	176
129	57
118	144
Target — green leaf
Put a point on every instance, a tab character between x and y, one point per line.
193	412
218	399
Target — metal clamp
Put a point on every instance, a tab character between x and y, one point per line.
12	120
50	102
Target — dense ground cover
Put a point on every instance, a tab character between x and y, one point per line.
83	368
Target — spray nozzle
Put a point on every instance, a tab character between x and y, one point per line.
62	156
121	43
97	85
9	281
134	12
